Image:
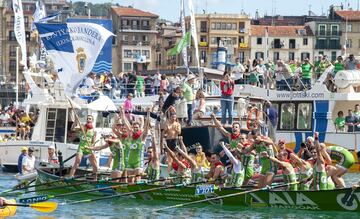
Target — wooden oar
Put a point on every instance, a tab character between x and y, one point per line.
224	196
42	198
43	184
131	193
45	207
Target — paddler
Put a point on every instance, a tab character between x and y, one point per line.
238	171
234	136
137	143
180	166
217	169
117	151
344	160
305	171
268	168
287	169
87	139
247	158
320	178
153	167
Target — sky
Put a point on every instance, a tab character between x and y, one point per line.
169	9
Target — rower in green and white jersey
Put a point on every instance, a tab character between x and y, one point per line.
247	158
153	168
234	136
320	178
305	171
237	173
117	152
287	169
120	130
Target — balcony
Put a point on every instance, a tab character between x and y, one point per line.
327	46
135	27
328	33
135	43
203	44
242	30
243	45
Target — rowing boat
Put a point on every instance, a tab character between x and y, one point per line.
8	211
334	200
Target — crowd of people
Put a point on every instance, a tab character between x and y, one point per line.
349	123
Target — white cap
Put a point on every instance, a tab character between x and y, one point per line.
52	146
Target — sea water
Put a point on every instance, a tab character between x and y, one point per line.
129	208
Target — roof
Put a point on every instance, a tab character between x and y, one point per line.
131	12
349	15
259	30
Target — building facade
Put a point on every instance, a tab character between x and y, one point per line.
282	42
134	47
230	29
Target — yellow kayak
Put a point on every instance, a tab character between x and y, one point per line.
8	211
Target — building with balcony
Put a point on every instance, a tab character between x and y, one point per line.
135	31
8	41
283	42
350	27
230	29
327	37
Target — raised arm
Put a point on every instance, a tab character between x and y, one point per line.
126	121
229	154
147	125
325	154
219	126
172	155
153	141
182	145
319	156
187	157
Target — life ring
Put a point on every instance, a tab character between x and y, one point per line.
252	124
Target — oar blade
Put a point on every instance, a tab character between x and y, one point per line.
45	207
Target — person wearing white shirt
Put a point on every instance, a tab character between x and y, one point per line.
28	163
4	118
238	72
157	80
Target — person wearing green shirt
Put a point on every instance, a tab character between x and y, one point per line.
140	86
340	122
338	65
188	94
306	74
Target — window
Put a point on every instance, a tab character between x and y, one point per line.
127	66
27	36
214	40
322	30
223	26
127	53
12	65
334	30
320	44
203	38
277	44
259	55
12	51
218	26
145	38
333	56
242	27
12	36
334	44
228	26
203	26
136	38
305	55
135	22
291	56
348	43
305	41
146	23
276	56
321	52
136	53
259	41
125	22
292	44
146	53
213	26
203	56
287	116
349	28
304	115
125	37
241	39
233	26
241	57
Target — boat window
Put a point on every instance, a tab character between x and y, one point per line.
55	126
287	116
105	121
304	116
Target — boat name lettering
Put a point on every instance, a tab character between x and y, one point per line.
33	199
299	200
301	94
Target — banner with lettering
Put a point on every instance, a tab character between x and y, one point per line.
19	29
73	48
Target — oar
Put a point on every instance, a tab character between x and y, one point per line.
131	193
78	183
45	207
43	184
42	198
224	196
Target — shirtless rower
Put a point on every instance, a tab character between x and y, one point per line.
171	131
216	168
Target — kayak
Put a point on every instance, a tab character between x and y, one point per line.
8	211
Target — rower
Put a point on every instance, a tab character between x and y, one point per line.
344	160
136	152
121	132
87	139
234	136
247	158
197	172
117	152
153	168
305	171
320	177
287	169
237	173
217	169
180	165
268	168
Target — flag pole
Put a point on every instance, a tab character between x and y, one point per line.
17	78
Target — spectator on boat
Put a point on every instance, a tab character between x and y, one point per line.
306	74
323	65
28	162
170	100
272	119
238	72
52	156
24	152
351	121
157	79
149	86
113	85
122	84
338	65
87	139
131	82
351	63
283	149
227	98
4	118
189	96
128	106
200	110
200	157
140	88
340	122
164	83
254	73
92	88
